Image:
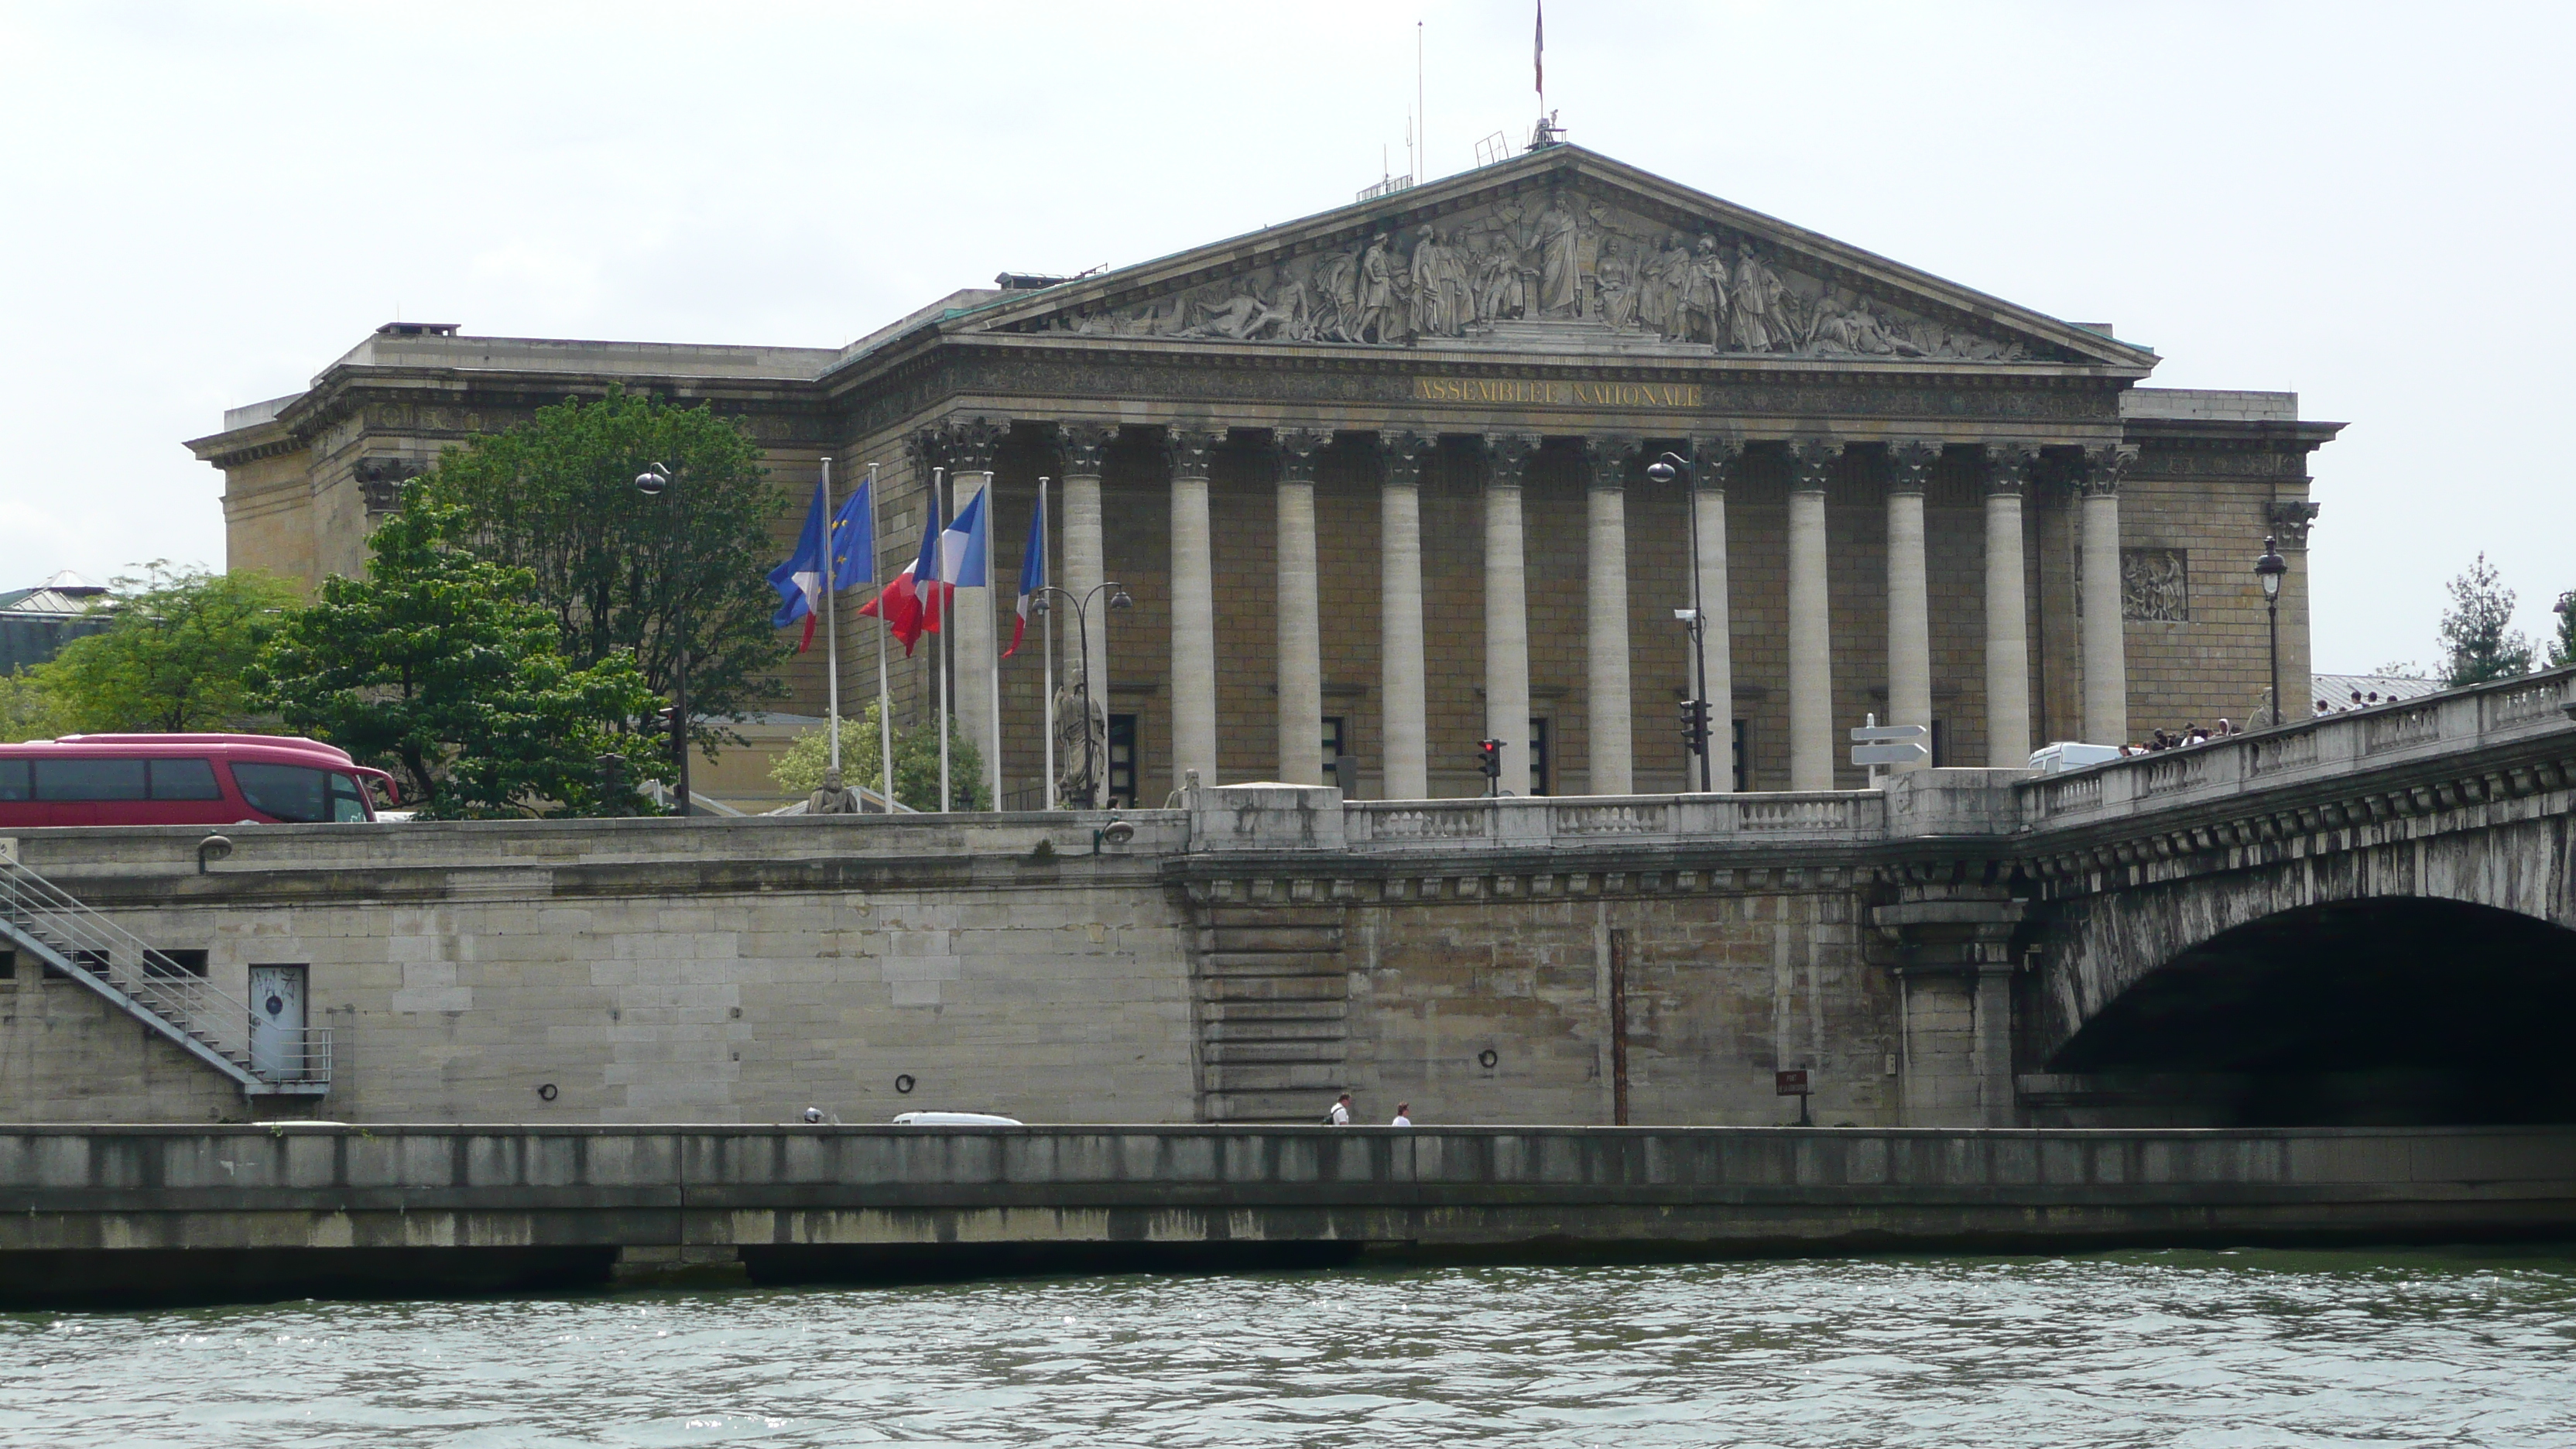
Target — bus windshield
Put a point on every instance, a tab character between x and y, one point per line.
300	793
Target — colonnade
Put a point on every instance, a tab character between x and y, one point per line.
1610	462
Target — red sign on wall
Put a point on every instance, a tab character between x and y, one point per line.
1789	1084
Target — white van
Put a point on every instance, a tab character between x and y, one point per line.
2067	755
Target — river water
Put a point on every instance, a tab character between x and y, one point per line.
2380	1347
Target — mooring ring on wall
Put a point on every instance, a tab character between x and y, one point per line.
903	1083
546	1092
1489	1058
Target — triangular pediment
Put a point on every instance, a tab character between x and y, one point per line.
1560	251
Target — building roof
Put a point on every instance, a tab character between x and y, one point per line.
2337	690
66	593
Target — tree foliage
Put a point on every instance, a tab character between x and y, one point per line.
2562	644
26	710
173	660
916	763
2478	638
438	670
619	572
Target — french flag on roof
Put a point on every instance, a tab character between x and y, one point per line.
799	581
966	548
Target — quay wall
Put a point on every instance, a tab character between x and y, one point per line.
783	1201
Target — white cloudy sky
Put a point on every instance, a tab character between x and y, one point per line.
206	204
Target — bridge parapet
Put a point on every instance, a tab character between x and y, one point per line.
2337	746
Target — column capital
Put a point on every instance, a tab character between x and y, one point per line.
1191	447
1406	454
1082	446
2105	467
1608	459
2290	519
1910	464
1507	458
1714	458
2009	465
1297	449
1814	459
960	445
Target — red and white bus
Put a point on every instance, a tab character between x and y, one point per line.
183	780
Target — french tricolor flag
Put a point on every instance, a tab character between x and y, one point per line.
909	607
1033	561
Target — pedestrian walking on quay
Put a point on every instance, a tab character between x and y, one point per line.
1340	1116
1403	1115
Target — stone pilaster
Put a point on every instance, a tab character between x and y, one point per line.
1406	768
2007	609
1811	640
1301	665
2105	649
1507	682
1191	450
1608	703
1909	606
1713	459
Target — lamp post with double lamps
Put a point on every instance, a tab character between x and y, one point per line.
2268	571
652	483
1695	711
1118	599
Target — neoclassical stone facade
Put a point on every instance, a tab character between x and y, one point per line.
1376	482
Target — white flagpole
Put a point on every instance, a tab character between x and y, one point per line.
1046	622
885	692
831	623
947	625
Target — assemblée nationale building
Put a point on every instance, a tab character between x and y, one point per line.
1376	481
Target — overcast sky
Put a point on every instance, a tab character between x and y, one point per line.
207	204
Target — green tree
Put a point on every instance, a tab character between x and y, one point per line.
916	763
618	571
2562	645
26	710
173	660
438	670
2478	637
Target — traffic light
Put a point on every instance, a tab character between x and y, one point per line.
1489	763
1695	726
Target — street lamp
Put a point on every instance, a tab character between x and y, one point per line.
1695	619
1118	599
2268	571
652	482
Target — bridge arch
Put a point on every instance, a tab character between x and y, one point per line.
2385	1009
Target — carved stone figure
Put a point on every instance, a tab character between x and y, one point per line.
1553	238
2155	585
1703	295
1499	293
1442	300
1373	313
833	797
1755	315
1617	282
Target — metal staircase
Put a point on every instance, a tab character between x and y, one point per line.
48	923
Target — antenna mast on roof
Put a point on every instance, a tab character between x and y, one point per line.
1421	113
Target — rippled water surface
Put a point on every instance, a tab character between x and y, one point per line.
2197	1348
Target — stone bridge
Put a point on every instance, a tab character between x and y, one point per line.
2363	919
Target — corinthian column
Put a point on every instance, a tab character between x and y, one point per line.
1407	766
968	447
2007	614
1605	613
2106	651
1085	562
1811	634
1714	458
1909	607
1301	662
1507	685
1193	607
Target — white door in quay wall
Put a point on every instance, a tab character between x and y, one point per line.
277	1021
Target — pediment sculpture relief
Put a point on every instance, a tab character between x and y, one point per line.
1564	258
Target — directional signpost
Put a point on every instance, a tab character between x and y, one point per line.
1879	746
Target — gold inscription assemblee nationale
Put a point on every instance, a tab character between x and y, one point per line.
1556	394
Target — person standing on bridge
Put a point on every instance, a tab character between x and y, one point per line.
1403	1115
1340	1116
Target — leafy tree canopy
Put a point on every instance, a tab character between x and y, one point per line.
436	669
916	763
26	710
173	660
2478	638
618	571
2562	645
